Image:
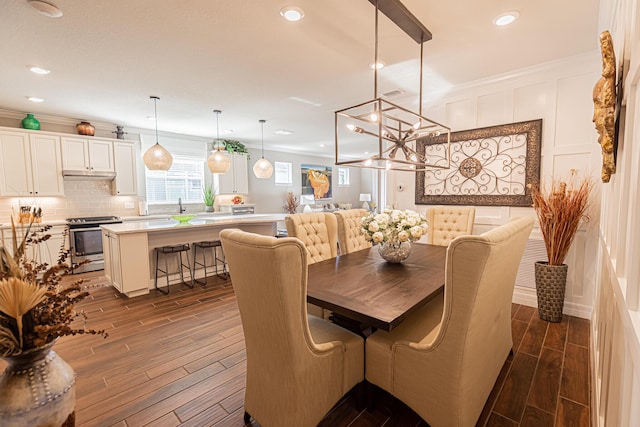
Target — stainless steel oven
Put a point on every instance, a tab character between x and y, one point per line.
85	242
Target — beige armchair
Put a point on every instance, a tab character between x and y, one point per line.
298	366
448	222
444	360
318	231
350	239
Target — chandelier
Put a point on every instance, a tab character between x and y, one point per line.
380	134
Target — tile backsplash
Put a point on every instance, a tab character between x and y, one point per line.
82	198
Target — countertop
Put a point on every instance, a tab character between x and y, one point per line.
216	220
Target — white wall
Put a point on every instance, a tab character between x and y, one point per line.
271	198
560	94
615	326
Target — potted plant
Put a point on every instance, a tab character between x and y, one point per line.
560	209
37	387
209	197
291	204
232	146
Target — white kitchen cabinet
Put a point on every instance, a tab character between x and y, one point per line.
126	263
236	180
83	154
31	164
46	251
124	155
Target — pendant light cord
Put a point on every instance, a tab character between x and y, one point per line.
155	115
262	121
216	145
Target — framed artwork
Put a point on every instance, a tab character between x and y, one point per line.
492	166
316	181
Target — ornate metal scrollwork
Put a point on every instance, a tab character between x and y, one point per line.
489	166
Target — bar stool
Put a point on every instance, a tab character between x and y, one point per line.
207	244
177	250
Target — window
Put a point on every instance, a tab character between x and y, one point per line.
283	173
184	180
343	177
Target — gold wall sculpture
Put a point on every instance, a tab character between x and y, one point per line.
604	103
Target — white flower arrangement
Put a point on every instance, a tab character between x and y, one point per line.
394	226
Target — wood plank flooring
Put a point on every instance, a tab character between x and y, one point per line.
179	360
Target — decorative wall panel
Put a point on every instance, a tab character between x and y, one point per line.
492	166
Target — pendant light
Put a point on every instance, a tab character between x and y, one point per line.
263	169
218	161
157	158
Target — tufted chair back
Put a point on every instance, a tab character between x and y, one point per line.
350	239
318	231
448	222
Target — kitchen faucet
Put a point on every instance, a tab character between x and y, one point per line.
180	208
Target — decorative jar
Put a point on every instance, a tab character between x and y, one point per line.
394	251
37	389
86	128
30	122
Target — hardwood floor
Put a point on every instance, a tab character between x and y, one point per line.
179	360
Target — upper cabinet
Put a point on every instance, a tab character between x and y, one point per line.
124	154
236	180
31	164
84	154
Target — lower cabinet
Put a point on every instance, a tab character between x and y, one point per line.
124	268
47	251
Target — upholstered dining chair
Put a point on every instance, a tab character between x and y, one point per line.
350	239
298	365
448	222
318	231
443	360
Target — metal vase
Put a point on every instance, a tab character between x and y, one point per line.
394	252
37	389
551	281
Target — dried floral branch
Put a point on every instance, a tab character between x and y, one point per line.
35	308
560	211
292	203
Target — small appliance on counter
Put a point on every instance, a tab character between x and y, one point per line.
143	209
238	209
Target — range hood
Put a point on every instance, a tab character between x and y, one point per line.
87	174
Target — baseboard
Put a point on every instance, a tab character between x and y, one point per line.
527	296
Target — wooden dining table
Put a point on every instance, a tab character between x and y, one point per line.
363	290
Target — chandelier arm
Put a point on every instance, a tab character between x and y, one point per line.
375	59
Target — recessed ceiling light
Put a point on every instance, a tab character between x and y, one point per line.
284	132
229	131
322	145
506	18
35	99
152	118
38	70
377	65
46	9
292	13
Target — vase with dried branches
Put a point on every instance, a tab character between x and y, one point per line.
36	308
291	204
560	210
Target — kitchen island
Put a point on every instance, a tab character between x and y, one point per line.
129	259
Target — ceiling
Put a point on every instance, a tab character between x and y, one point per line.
107	57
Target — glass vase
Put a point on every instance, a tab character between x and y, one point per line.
394	251
30	122
37	389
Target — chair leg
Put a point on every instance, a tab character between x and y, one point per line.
190	284
247	418
156	279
